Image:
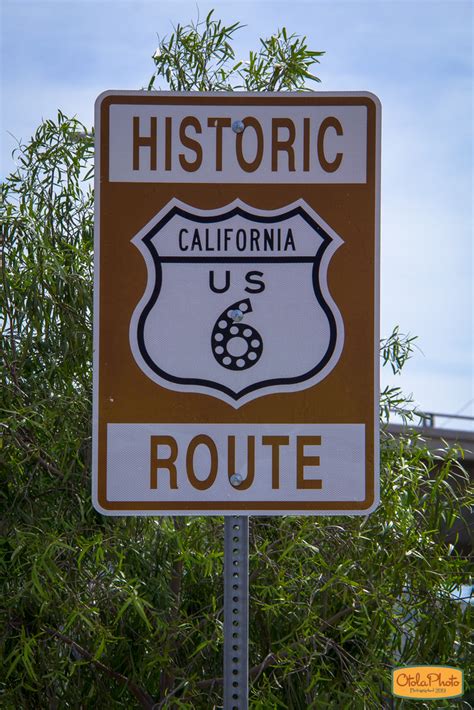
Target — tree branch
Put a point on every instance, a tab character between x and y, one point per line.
145	700
273	659
26	443
168	676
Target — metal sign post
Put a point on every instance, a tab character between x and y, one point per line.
236	616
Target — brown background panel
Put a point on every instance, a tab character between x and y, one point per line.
346	395
123	281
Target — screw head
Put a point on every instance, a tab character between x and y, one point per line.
238	126
236	315
236	479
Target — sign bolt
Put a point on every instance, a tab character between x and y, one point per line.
236	479
236	315
238	127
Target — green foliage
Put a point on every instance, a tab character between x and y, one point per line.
200	57
395	351
47	235
128	612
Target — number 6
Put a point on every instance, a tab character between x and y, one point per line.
236	346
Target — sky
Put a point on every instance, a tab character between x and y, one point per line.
416	56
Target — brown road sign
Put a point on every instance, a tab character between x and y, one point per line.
236	303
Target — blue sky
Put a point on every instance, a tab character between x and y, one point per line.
416	56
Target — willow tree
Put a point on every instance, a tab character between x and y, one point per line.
128	611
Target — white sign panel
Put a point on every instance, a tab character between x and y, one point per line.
255	315
168	143
282	462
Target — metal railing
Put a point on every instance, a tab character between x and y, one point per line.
429	419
